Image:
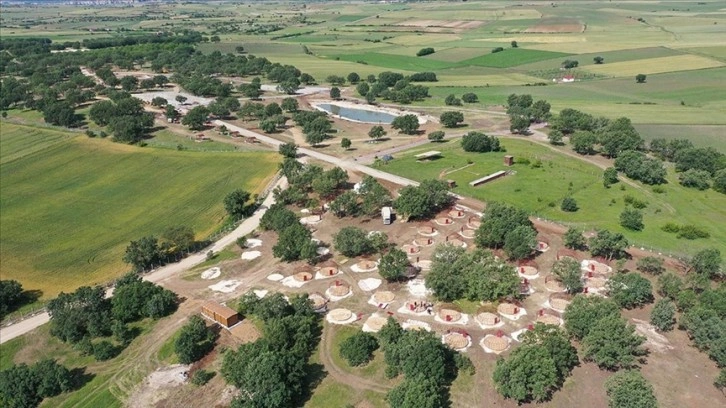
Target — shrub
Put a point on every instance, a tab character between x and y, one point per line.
358	349
497	49
569	204
201	377
437	136
632	219
651	264
662	315
104	350
425	51
692	232
698	179
671	227
628	199
452	100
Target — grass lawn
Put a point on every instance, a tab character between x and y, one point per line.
69	206
540	190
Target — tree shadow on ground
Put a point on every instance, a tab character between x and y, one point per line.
315	374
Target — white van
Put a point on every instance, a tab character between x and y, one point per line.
387	215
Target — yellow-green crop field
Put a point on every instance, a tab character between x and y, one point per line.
655	65
69	205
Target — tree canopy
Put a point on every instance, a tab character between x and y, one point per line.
568	272
424	200
630	290
499	221
582	314
629	389
195	340
612	344
480	143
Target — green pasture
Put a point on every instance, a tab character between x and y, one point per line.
701	135
540	191
69	207
512	57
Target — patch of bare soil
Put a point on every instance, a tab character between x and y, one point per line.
654	341
158	385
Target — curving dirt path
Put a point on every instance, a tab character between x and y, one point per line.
351	380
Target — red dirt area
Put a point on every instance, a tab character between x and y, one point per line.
557	26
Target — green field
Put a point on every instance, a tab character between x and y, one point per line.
70	205
540	191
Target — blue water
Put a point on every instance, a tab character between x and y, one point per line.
359	115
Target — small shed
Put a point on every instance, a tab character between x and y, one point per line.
430	155
221	314
508	160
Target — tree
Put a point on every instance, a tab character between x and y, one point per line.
419	391
555	341
181	99
346	204
640	167
568	272
277	218
376	132
143	254
632	219
719	181
196	117
499	220
630	290
569	64
609	177
26	386
353	78
61	113
574	239
159	102
235	203
608	244
393	265
663	315
11	295
651	264
698	179
583	142
425	51
129	83
598	60
612	344
480	143
555	138
363	88
195	340
352	242
374	195
640	78
583	312
83	313
569	204
529	374
470	97
619	136
345	143
294	243
451	119
180	238
437	136
289	105
540	111
452	100
335	93
707	262
720	382
406	124
519	124
424	200
358	349
170	112
628	389
520	242
288	150
514	44
669	285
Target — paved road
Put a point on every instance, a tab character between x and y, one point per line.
159	275
342	163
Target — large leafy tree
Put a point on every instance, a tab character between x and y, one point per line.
417	392
195	340
235	203
618	136
612	344
294	243
11	294
480	143
629	389
83	313
358	349
24	386
143	254
393	265
529	374
352	241
630	290
555	341
520	242
196	117
585	311
277	218
707	262
500	219
424	200
574	239
374	195
568	272
608	244
134	298
406	124
663	315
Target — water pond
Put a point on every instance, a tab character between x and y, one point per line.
358	115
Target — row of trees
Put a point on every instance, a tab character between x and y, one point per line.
24	386
395	87
274	371
80	317
522	111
